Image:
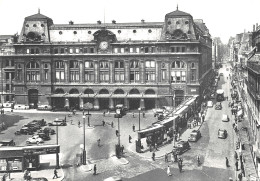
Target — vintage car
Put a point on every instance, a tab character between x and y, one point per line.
7	142
48	130
225	118
44	136
181	147
44	107
41	122
24	130
222	133
194	135
210	104
21	106
59	122
218	106
34	140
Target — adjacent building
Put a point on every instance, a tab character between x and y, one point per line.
143	64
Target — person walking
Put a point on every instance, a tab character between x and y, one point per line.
95	170
235	155
103	122
79	124
227	162
198	160
112	124
55	174
236	164
129	139
153	156
143	114
104	113
180	167
240	176
133	128
133	114
166	157
168	171
98	142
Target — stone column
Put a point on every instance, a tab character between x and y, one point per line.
126	103
81	70
142	71
96	67
127	72
66	71
81	102
111	103
96	104
111	71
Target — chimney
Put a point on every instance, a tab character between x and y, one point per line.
99	22
142	20
253	28
71	22
113	21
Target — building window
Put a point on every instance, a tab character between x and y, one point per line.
134	64
178	64
146	49
103	64
131	50
193	75
150	76
59	64
178	76
85	50
119	64
45	65
89	64
60	76
46	75
62	50
74	64
32	51
192	65
137	50
163	75
77	50
71	50
134	76
42	25
115	50
119	76
56	50
122	50
32	72
183	49
34	25
92	50
74	76
150	64
89	76
104	76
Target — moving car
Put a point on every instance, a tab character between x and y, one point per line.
218	106
194	135
222	133
225	118
60	122
24	130
181	147
34	140
210	104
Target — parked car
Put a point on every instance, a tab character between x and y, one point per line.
49	130
225	118
24	130
222	133
33	125
44	136
210	104
60	122
44	107
21	106
194	135
218	106
181	147
7	142
34	140
41	122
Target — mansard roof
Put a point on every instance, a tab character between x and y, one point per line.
36	16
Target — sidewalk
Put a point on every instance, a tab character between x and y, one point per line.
167	148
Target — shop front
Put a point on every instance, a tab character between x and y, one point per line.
17	159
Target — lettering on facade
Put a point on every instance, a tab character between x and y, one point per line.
41	151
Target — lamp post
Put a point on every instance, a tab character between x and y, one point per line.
84	148
118	147
57	141
139	109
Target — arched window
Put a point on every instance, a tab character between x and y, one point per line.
60	71
103	64
33	72
134	64
178	64
178	72
89	64
74	64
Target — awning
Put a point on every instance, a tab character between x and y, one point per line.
72	95
118	95
182	110
103	95
57	95
134	96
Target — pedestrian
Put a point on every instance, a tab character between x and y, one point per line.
71	121
198	160
112	124
156	146
55	174
153	156
117	132
95	170
235	155
122	149
227	162
240	176
133	114
143	114
108	112
166	157
83	113
180	161
104	113
175	157
180	167
79	124
168	171
103	122
129	139
133	128
98	142
236	164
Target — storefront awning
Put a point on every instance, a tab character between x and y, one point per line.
182	110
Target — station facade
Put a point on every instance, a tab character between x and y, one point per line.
145	64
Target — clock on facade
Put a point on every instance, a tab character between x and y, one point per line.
103	45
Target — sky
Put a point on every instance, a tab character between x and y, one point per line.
224	18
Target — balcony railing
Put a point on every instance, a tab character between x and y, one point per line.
255	66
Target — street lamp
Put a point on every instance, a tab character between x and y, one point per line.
84	149
118	115
139	109
57	141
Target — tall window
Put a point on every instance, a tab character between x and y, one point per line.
104	71
134	71
134	64
193	75
89	64
74	64
60	72
178	72
19	72
104	76
150	64
33	72
150	76
74	71
89	71
119	64
178	64
104	64
119	71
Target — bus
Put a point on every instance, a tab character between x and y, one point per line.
220	95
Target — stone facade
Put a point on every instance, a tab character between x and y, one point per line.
136	64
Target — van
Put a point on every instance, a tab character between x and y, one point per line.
122	108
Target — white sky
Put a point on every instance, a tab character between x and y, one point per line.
224	18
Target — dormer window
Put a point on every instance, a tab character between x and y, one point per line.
186	22
134	31
34	25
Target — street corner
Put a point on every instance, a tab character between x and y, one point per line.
121	161
86	168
